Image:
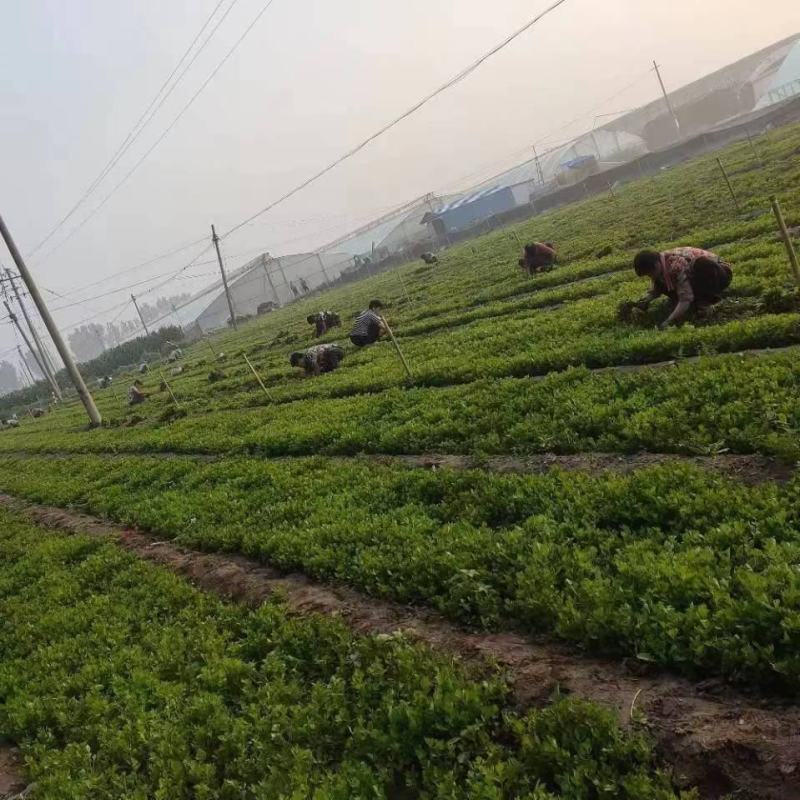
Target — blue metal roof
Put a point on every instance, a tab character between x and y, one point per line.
470	198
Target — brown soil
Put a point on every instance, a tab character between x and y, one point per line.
749	469
716	739
11	782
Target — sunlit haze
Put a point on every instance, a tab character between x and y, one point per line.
310	80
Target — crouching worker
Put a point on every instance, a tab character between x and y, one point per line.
323	321
369	326
691	278
318	359
538	257
135	394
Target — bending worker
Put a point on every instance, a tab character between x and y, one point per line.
135	394
369	326
690	277
323	321
538	257
318	359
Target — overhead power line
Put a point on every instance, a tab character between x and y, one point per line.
416	107
172	124
143	121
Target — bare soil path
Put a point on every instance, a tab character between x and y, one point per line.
11	783
716	739
749	469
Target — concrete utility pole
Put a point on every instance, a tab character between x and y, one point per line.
215	239
50	372
26	370
668	102
322	267
141	318
13	317
61	346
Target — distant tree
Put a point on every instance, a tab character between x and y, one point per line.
9	380
87	341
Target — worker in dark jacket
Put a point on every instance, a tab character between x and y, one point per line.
318	359
538	257
323	321
369	326
692	279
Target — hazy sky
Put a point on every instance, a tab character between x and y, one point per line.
313	78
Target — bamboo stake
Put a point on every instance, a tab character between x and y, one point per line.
258	377
397	347
213	352
753	148
169	389
403	284
730	188
787	239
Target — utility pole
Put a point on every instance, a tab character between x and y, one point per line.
322	267
25	368
264	263
668	102
215	239
49	372
538	165
141	318
13	317
61	346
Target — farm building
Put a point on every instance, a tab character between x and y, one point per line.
470	209
263	280
779	79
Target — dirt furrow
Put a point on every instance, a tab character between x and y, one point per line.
716	739
750	470
11	783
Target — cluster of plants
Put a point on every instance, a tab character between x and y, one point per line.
118	680
742	404
475	317
673	565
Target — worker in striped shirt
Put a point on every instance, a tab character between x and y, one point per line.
369	326
692	279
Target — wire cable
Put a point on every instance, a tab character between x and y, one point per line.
143	120
416	107
172	124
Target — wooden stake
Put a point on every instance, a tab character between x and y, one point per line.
753	148
397	347
730	188
403	284
258	377
787	239
169	389
213	352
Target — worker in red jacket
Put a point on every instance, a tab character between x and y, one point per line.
692	279
538	257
